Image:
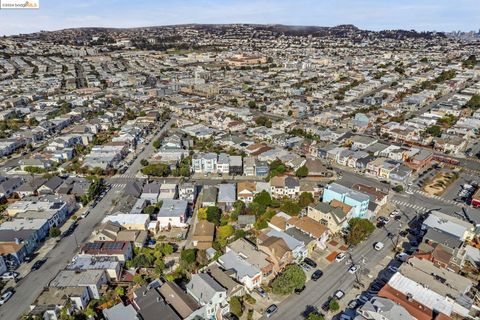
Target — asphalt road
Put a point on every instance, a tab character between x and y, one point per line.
31	286
336	275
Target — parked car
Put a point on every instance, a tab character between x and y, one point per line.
85	214
261	292
7	294
271	310
326	304
392	269
9	275
310	262
38	264
305	267
299	290
317	275
339	294
401	256
379	246
340	257
353	269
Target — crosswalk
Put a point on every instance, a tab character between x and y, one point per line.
127	176
439	198
117	185
409	205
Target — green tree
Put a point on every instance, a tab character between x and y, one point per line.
213	215
33	122
223	233
54	232
434	131
263	198
263	121
314	316
120	291
157	144
474	102
144	162
143	260
398	188
202	213
236	306
302	172
189	256
333	306
293	277
150	209
290	207
252	104
138	279
305	199
166	249
157	170
359	230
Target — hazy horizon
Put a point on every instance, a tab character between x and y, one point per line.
375	15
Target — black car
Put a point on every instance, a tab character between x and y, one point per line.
326	305
38	264
317	275
380	224
299	290
310	262
390	235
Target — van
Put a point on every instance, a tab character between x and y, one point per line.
379	246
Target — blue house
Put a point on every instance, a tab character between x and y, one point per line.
359	201
261	168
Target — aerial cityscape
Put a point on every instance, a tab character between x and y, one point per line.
286	160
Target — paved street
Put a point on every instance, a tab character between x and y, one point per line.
336	275
32	285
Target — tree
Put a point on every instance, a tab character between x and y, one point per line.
223	233
359	230
263	121
144	162
333	306
252	104
166	249
263	198
213	215
138	279
157	143
188	255
236	306
150	209
435	131
293	277
302	172
120	291
314	316
54	232
474	102
202	213
143	261
158	170
33	122
290	207
305	199
398	188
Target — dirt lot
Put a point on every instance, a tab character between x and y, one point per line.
440	182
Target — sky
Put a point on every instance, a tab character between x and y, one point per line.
421	15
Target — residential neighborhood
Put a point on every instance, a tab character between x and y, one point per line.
239	171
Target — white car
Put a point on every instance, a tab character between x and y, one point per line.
6	296
353	269
394	213
379	246
401	256
9	275
340	257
